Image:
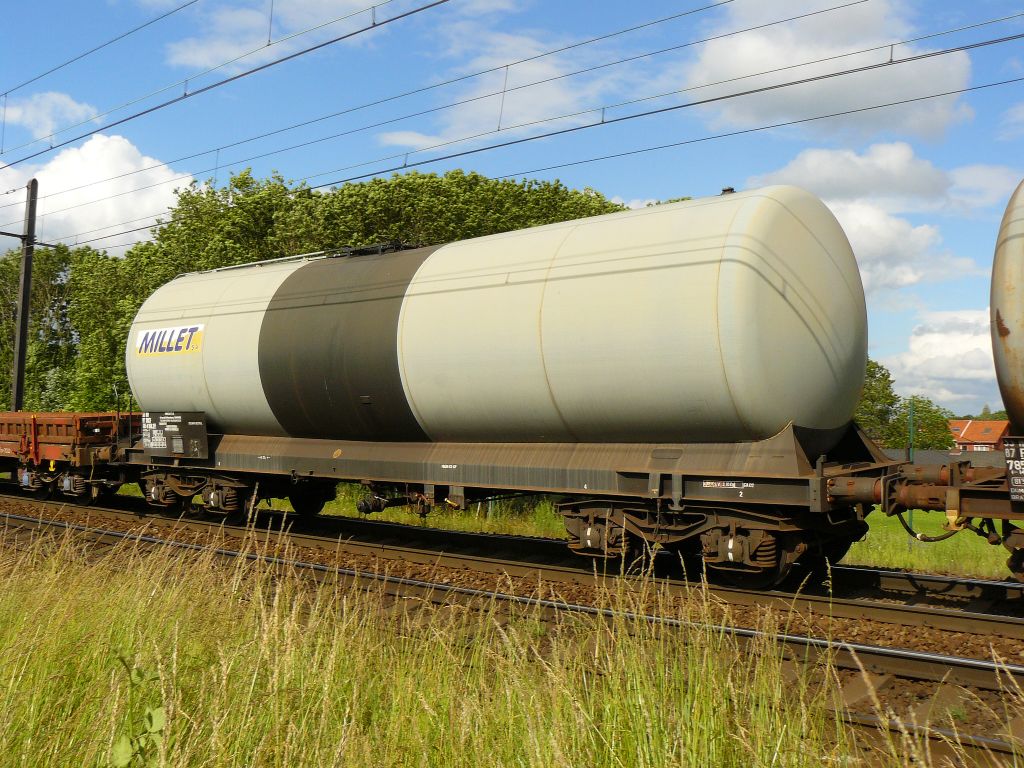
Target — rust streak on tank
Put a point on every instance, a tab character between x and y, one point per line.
1001	328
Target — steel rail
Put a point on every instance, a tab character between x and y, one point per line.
550	560
975	673
924	584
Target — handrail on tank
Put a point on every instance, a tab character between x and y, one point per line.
279	260
341	251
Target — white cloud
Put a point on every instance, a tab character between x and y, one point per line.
877	23
983	186
949	359
42	113
893	253
229	32
98	158
894	178
891	174
636	202
867	190
1012	123
481	47
233	31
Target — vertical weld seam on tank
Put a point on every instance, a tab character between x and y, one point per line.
726	244
816	309
540	334
410	399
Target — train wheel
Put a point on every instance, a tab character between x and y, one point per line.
637	554
752	580
245	508
1015	562
44	491
310	498
181	506
814	567
749	558
685	562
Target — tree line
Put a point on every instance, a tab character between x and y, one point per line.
886	416
84	300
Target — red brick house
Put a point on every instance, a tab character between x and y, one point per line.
978	435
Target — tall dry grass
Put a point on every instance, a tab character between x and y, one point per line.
152	658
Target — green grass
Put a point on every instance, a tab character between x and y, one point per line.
183	662
527	516
965	554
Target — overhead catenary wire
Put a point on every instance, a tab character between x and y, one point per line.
887	46
233	78
663	110
420	90
192	78
598	110
186	177
190	176
97	48
762	128
717	136
602	109
891	62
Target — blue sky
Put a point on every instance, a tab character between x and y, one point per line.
919	188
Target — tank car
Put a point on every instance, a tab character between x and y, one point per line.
682	375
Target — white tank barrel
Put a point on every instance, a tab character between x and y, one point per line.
1007	308
720	319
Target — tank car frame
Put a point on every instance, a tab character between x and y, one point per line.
748	510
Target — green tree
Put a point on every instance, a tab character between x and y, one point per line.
987	414
51	340
931	425
878	402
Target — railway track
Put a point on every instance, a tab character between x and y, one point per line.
947	604
870	669
939	602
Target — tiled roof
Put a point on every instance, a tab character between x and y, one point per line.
977	431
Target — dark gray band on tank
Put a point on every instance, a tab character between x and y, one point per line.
328	348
